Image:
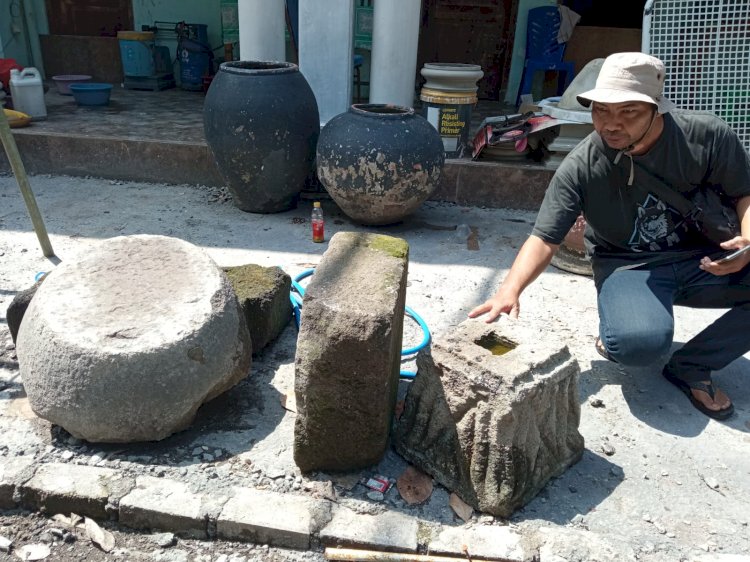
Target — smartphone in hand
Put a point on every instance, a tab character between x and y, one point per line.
733	255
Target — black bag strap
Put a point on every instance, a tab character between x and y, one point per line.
657	185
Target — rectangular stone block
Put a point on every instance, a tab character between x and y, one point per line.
281	520
493	413
66	488
263	294
388	531
167	505
13	472
490	542
349	351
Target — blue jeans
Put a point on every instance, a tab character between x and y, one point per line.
636	320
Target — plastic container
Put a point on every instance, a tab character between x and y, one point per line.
318	223
27	91
91	93
449	93
137	53
195	56
196	61
63	82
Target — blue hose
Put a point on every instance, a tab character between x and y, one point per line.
297	292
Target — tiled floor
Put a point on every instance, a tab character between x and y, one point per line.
172	115
169	115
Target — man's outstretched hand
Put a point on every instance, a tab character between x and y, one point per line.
498	304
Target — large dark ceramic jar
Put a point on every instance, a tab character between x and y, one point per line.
261	123
379	163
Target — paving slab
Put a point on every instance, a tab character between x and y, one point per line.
494	542
66	488
159	503
268	518
387	531
13	472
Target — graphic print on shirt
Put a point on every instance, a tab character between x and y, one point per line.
657	226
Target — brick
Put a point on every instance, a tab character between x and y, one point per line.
388	531
263	517
168	505
70	488
494	542
13	472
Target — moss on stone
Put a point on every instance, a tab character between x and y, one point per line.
251	280
395	247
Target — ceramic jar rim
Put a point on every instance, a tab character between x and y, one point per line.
258	67
382	110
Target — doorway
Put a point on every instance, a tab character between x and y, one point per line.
472	32
100	18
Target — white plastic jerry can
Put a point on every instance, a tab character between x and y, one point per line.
27	91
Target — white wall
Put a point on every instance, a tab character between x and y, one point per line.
326	43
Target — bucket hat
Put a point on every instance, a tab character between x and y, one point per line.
629	77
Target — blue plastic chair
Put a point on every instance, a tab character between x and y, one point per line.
543	52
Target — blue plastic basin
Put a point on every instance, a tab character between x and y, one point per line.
91	93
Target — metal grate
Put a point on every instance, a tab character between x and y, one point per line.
705	45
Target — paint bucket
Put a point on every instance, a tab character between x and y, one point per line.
450	114
448	96
137	52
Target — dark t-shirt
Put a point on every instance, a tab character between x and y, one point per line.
628	225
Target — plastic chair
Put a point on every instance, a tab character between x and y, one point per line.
358	62
543	52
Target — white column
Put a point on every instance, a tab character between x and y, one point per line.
262	25
326	52
395	38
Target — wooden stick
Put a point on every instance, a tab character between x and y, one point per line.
352	554
9	143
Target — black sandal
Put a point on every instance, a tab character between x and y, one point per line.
601	350
709	389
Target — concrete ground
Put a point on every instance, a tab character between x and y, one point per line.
658	481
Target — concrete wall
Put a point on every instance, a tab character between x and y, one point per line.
14	43
146	12
590	42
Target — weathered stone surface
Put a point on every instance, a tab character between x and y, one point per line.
17	308
389	531
66	488
13	472
268	518
263	293
126	343
492	542
167	505
348	352
570	545
494	428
